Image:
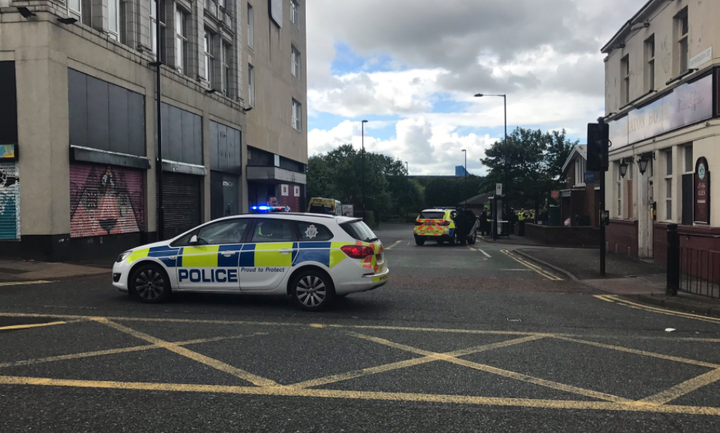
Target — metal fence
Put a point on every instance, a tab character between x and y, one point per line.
700	272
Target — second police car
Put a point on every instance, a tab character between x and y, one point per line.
311	258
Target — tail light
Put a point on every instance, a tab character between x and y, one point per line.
444	223
357	251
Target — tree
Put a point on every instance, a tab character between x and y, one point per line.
534	164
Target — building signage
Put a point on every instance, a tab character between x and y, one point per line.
589	177
686	105
284	190
619	133
8	152
498	189
701	59
555	194
702	192
296	191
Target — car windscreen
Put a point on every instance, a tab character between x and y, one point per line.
321	209
430	215
360	231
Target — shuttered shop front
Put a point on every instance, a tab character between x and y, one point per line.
181	200
105	200
9	201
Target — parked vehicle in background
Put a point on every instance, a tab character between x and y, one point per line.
327	206
446	225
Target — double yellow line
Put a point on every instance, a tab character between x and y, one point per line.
626	303
532	267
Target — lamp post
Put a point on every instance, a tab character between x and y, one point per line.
407	168
504	96
362	201
465	174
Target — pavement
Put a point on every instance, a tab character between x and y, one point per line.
461	339
27	270
635	279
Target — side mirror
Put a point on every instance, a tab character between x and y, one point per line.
194	240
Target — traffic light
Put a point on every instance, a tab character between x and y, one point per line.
597	146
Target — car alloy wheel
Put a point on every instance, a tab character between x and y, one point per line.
313	291
149	284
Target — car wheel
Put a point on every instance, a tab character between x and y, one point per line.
472	239
419	242
312	291
149	283
454	239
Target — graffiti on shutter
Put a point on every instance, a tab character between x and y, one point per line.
9	201
105	200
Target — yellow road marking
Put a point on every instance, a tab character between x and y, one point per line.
24	283
532	267
409	363
281	391
117	351
32	325
174	347
684	388
604	298
664	311
639	352
393	245
377	327
497	371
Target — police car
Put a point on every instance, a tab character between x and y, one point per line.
455	226
312	258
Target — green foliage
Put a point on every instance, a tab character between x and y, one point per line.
450	191
338	174
533	167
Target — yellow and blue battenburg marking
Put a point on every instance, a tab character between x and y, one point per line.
250	255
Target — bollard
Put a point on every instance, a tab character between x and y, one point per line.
673	260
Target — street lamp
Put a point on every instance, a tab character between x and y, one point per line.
644	160
465	174
507	186
362	201
623	168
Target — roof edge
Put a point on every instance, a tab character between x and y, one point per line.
607	47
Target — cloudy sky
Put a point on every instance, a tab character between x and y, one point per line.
411	67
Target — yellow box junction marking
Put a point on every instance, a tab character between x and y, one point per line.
266	387
24	283
174	347
30	325
532	267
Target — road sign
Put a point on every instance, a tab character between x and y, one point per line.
555	195
498	189
589	177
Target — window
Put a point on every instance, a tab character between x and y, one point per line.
689	161
226	64
75	7
295	13
221	3
618	188
625	86
295	62
273	231
650	64
681	31
296	115
114	19
250	26
580	168
312	232
155	20
251	85
181	43
668	183
224	232
209	58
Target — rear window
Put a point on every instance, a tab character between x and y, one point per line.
311	232
360	231
432	215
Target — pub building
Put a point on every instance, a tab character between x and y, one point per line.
662	75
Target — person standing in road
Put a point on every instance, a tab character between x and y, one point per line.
521	221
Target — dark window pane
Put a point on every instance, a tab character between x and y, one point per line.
311	232
273	231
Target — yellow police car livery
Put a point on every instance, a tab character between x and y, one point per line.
443	225
435	225
312	258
